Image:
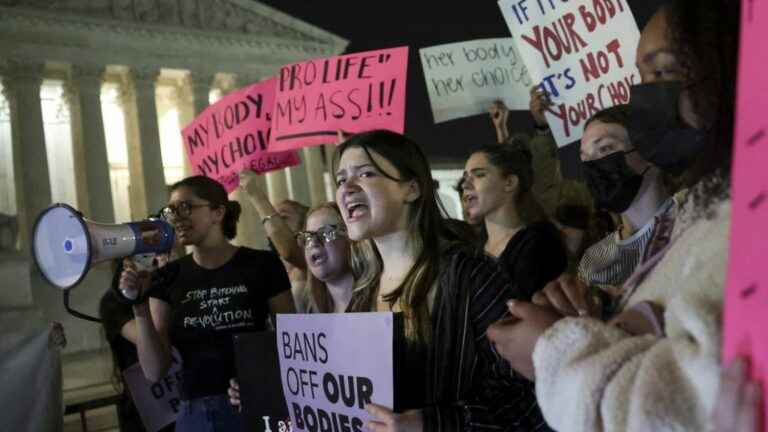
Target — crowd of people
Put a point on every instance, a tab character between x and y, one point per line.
556	304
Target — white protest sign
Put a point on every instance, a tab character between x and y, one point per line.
581	51
463	79
157	403
332	365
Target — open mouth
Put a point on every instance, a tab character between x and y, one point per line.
471	200
318	258
356	210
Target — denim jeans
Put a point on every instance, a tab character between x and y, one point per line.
208	414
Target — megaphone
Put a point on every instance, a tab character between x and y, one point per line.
65	244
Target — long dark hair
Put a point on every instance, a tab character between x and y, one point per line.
705	34
512	159
213	192
426	225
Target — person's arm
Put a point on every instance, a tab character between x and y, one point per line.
595	376
546	165
151	318
152	338
499	116
130	332
276	228
501	399
282	303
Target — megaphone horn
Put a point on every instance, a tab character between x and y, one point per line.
65	244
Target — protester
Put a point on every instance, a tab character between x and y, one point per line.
549	188
444	295
328	253
624	183
592	375
333	261
219	289
497	180
121	333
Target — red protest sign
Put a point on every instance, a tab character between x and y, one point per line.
233	134
354	93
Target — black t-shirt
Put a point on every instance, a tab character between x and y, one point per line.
533	257
209	306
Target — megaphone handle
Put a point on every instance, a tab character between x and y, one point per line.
76	313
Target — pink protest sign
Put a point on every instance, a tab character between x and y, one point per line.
332	365
354	93
746	295
232	135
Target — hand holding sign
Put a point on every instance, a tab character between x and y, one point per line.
582	52
386	420
538	105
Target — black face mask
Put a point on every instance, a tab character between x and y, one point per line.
656	130
612	182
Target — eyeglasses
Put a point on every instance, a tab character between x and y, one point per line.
181	210
325	234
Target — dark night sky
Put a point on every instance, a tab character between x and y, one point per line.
371	25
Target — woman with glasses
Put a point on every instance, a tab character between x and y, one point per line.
334	264
219	289
328	253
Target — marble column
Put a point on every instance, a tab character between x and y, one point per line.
313	164
201	88
89	143
22	81
277	186
298	181
151	174
193	99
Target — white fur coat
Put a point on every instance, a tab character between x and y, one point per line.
591	376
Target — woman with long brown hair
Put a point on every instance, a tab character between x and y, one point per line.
444	295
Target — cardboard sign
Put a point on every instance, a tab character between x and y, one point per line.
582	52
464	79
157	403
332	365
261	392
353	93
233	134
747	287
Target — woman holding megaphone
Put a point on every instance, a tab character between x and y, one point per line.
217	290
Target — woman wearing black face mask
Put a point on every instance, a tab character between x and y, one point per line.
621	182
620	377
